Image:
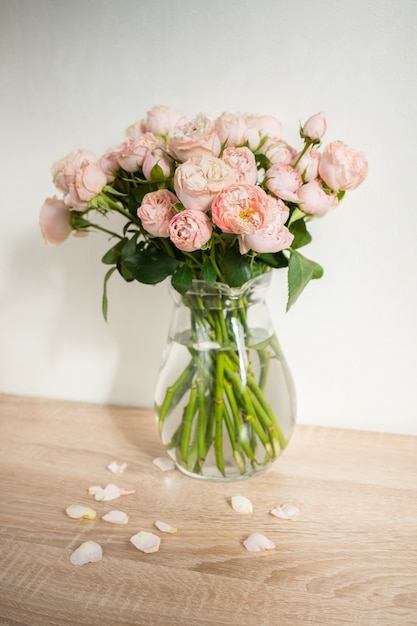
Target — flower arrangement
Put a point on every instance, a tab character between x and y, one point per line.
219	201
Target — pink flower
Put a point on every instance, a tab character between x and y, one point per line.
341	167
64	170
189	230
136	129
161	119
132	152
314	200
259	126
278	151
156	211
240	209
156	156
194	139
109	164
315	127
198	180
242	161
231	129
283	181
89	182
308	165
273	236
80	177
55	221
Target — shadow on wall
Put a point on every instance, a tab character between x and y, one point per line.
57	343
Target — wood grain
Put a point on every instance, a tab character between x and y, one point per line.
350	558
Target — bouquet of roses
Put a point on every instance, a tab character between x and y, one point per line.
221	201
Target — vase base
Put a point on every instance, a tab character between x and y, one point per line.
216	476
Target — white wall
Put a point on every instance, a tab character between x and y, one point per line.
76	74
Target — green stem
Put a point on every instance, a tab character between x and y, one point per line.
187	423
218	413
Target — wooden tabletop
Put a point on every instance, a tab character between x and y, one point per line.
349	558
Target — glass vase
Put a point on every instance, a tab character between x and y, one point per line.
224	399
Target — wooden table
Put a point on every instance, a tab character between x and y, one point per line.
350	558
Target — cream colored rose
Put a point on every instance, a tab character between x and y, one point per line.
198	180
194	139
161	119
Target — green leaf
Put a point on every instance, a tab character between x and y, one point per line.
105	303
182	279
113	255
276	260
236	268
149	266
138	193
300	271
209	273
297	214
301	235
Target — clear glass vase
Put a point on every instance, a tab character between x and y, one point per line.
224	399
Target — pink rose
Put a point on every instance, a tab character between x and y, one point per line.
64	170
109	164
278	151
314	200
156	211
189	230
283	181
132	152
136	129
89	182
194	139
273	236
240	209
259	126
156	156
243	162
315	127
55	221
198	180
231	129
161	119
341	167
308	165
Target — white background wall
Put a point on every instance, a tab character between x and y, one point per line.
76	74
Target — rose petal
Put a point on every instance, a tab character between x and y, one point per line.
286	511
110	492
147	542
241	504
258	543
116	517
165	528
164	463
77	511
87	552
117	468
